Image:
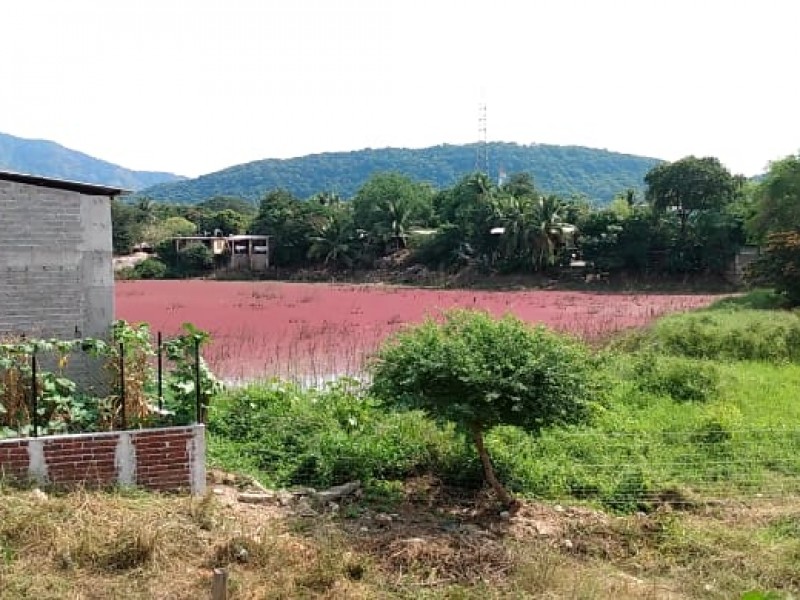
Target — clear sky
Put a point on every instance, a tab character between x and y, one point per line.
194	86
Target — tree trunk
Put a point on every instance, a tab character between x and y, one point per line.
506	499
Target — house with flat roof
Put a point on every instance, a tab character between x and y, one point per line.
234	252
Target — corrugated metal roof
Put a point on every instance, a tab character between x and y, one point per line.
90	189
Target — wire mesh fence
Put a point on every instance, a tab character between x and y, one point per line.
75	386
290	436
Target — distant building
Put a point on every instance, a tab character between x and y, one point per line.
737	268
235	252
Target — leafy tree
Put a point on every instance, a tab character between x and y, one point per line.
531	230
170	228
624	204
124	227
689	185
226	221
146	209
388	204
519	185
234	203
291	223
576	209
712	242
470	207
442	250
193	259
480	372
778	199
327	198
692	197
779	265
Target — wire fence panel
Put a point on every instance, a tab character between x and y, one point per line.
53	386
295	437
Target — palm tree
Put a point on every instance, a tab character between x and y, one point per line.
398	213
531	227
334	240
147	211
550	229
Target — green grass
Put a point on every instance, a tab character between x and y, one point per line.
643	444
701	405
646	446
754	326
758	299
287	436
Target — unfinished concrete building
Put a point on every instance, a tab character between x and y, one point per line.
56	276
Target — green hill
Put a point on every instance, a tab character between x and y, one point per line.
566	170
48	159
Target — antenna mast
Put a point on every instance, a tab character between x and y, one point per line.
482	149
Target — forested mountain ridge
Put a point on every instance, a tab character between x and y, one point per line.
49	159
565	170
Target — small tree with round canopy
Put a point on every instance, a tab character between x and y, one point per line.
479	372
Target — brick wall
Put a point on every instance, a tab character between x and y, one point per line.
166	459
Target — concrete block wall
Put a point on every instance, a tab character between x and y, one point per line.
56	276
168	459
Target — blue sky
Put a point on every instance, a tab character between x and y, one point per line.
196	86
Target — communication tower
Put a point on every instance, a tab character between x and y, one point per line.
482	148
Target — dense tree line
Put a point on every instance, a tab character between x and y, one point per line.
691	220
564	170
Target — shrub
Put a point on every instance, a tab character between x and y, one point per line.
195	258
734	334
150	268
324	437
479	372
125	274
630	493
757	299
682	379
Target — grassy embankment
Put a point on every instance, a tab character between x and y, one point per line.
683	486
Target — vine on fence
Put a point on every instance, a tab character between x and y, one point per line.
130	394
189	369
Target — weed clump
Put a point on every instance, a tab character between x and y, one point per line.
323	437
682	379
724	334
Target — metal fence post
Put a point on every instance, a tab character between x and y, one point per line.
34	396
122	383
198	394
160	374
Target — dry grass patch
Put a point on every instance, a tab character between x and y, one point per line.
88	545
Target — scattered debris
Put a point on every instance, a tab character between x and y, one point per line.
257	498
303	508
39	495
337	492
